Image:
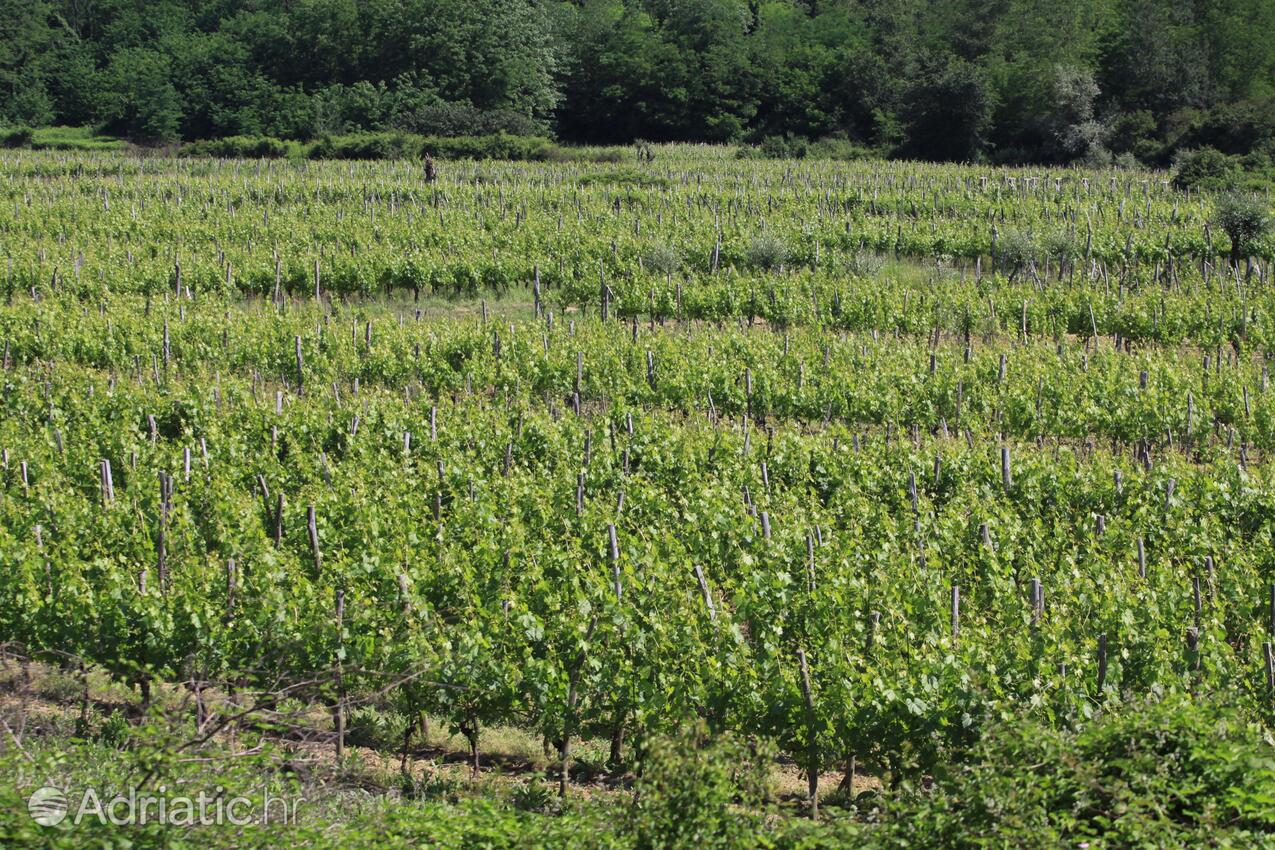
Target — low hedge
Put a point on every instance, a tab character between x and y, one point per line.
379	146
243	147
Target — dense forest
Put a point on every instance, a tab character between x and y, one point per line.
1087	81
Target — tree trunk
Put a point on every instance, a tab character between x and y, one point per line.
847	781
470	730
615	760
407	743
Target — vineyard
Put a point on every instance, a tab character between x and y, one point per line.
862	460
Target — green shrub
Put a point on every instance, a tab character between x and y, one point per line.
1245	220
775	147
18	137
534	796
1204	168
1233	128
1174	774
367	146
75	139
841	149
558	153
1015	251
1129	130
662	258
1126	162
432	786
783	147
373	146
766	252
623	177
379	730
697	791
115	730
792	147
60	686
453	120
1150	152
863	264
241	147
495	146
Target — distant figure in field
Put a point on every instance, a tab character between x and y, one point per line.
431	173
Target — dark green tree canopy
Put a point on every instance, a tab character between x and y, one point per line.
1003	80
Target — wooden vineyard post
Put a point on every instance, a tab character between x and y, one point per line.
568	722
956	611
232	582
1102	663
108	485
812	753
278	520
1037	601
338	711
617	731
535	291
1193	648
277	296
575	390
1269	653
300	368
1007	476
231	585
438	495
708	594
1195	599
614	547
810	563
313	529
161	545
605	292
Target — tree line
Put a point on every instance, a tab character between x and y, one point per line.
1091	81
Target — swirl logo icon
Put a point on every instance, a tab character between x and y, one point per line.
47	806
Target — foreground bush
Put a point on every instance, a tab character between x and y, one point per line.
696	791
1176	774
